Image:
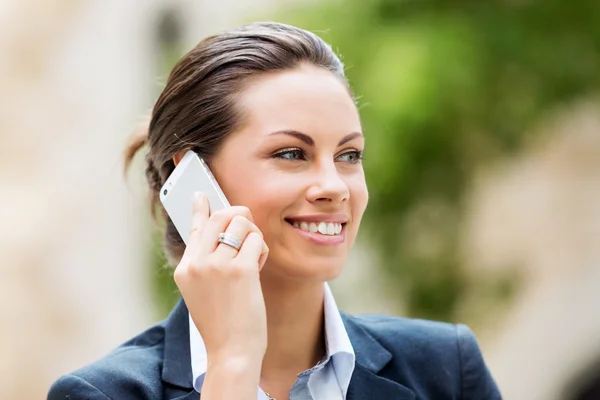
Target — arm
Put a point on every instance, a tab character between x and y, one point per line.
234	378
74	388
476	380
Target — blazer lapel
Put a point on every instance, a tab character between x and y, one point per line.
371	357
177	367
192	395
366	385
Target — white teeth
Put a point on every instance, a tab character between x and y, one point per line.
324	228
330	229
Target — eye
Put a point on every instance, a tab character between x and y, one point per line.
352	157
291	154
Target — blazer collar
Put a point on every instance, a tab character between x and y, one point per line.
177	369
365	384
371	358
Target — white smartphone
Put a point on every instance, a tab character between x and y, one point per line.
177	194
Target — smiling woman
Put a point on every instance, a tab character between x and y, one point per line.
268	108
296	157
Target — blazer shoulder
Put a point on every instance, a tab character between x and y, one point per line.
437	352
132	368
426	347
410	331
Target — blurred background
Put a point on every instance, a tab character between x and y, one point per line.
483	163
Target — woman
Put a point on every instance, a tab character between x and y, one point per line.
268	106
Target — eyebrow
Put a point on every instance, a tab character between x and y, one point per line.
309	141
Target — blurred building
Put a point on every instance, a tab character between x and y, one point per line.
77	77
541	214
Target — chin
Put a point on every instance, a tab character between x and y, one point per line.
309	269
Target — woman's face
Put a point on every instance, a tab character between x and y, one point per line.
296	164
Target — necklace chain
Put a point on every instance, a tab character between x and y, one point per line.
269	396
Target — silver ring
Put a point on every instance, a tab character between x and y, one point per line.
230	240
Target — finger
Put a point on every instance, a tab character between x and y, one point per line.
200	213
251	249
263	256
217	223
239	227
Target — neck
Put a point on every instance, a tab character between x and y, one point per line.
295	325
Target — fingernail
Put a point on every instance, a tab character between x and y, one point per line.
197	196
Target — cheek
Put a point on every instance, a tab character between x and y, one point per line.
273	194
359	195
262	191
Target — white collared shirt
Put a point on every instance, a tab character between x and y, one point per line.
329	379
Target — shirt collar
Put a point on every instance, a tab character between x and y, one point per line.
336	337
336	340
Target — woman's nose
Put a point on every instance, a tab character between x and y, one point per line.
328	186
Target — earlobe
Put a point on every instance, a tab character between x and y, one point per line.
178	156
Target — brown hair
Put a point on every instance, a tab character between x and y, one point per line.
197	107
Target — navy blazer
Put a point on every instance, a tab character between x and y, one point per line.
396	359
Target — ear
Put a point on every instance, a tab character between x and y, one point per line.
177	157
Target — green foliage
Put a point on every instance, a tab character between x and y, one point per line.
163	286
445	87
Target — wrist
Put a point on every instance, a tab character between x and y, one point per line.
234	362
232	377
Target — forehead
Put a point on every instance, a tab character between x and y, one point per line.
308	99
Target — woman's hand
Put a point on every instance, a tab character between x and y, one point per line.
221	285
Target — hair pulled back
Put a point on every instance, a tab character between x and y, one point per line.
197	107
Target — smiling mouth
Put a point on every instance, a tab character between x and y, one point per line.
319	227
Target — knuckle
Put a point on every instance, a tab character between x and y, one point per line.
235	266
194	270
201	267
239	269
241	220
210	264
254	231
228	214
256	234
179	274
243	211
195	233
220	215
253	236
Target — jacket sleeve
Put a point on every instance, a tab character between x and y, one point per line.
71	387
476	381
